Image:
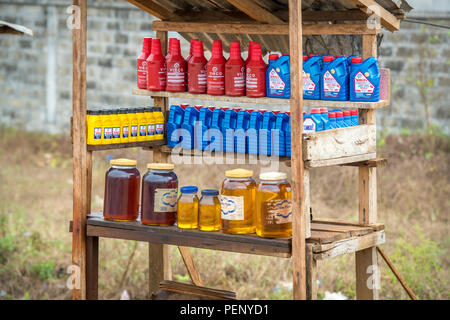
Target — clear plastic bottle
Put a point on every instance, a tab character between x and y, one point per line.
209	211
187	208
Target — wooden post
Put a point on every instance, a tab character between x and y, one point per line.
92	268
296	107
311	273
80	154
367	270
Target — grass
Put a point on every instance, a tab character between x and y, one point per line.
36	205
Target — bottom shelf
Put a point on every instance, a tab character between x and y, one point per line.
329	238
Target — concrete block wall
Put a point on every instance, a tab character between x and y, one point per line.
36	72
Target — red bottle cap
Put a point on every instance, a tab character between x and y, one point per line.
147	45
323	110
184	105
225	108
237	109
273	56
262	111
312	55
249	110
315	110
211	108
198	107
339	114
288	113
198	49
356	60
328	59
340	55
305	57
354	112
235	49
217	49
347	113
256	52
275	112
250	49
156	47
331	114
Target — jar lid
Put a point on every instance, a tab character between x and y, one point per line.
273	176
123	162
188	189
161	166
210	192
239	173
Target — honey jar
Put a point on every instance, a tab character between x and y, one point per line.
273	206
237	200
209	211
187	211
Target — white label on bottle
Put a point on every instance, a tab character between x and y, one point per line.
308	84
330	84
275	81
362	84
309	126
97	133
279	211
232	208
166	200
159	128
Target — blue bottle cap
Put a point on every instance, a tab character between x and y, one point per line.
189	189
210	192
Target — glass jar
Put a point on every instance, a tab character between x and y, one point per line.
237	199
209	211
273	206
187	211
159	195
121	202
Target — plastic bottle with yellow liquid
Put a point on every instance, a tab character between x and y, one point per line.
273	206
150	124
133	125
187	208
159	123
209	211
124	125
94	127
237	199
142	124
107	126
116	124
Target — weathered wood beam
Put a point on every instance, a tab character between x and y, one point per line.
340	15
153	8
370	7
253	28
253	10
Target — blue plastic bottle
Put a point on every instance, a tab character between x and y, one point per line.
265	137
204	116
242	124
312	122
176	114
190	117
335	77
255	124
311	78
288	135
339	119
365	80
278	77
332	120
281	122
229	122
216	130
347	119
324	118
354	117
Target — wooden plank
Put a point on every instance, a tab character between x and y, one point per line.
153	8
370	7
374	226
367	195
374	163
261	29
92	268
350	245
325	236
338	143
311	273
158	266
171	290
339	161
190	266
254	11
367	274
349	231
297	166
263	100
79	153
125	145
306	182
251	244
339	15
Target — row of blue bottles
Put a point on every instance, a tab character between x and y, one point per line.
321	119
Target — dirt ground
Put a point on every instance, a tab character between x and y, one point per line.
36	207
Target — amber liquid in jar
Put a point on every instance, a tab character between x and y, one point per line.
237	200
159	197
274	209
187	212
121	202
209	211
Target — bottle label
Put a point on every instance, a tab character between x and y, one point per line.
159	128
166	200
308	85
175	75
142	130
309	125
331	87
216	79
239	79
151	129
142	74
276	84
232	208
108	133
202	78
278	211
134	131
363	87
125	132
116	133
97	133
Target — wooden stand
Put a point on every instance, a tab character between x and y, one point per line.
311	242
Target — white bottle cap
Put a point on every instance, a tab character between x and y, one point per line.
273	176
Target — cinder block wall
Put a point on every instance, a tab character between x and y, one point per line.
36	72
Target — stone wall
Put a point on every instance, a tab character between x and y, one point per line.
36	72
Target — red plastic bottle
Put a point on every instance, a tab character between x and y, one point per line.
156	68
176	68
191	49
250	50
142	63
215	71
256	74
197	69
235	72
172	41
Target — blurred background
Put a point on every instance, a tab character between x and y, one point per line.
36	161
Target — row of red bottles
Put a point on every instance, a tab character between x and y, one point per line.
197	75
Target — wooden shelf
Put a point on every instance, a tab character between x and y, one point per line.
125	145
330	238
